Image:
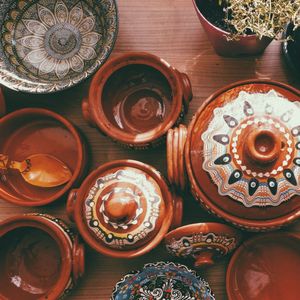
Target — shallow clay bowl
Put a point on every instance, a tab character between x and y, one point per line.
162	280
51	45
40	258
38	131
265	267
135	98
203	242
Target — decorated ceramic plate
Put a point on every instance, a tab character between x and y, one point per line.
162	281
50	45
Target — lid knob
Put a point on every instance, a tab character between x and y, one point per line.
262	146
120	207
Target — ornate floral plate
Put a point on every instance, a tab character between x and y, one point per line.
50	45
162	281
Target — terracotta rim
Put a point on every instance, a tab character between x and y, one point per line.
80	149
250	224
57	234
248	243
96	244
115	64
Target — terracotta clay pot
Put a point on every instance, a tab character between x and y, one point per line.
205	243
124	208
38	131
40	258
2	104
245	45
265	267
242	154
135	98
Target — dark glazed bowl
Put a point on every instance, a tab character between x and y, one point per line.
38	131
50	45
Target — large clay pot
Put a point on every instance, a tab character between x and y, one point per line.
242	154
245	45
38	131
124	208
135	98
41	258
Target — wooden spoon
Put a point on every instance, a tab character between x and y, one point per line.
42	170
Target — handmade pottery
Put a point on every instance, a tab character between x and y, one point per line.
204	242
38	131
242	154
51	45
162	281
265	267
135	98
41	258
124	208
246	45
2	104
291	48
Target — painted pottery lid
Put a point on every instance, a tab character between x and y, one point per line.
51	45
265	267
162	281
203	242
243	152
124	206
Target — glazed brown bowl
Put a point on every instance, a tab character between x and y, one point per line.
40	258
241	154
135	98
124	208
38	131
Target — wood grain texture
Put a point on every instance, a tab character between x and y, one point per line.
171	30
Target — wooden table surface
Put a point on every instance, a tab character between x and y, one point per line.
171	30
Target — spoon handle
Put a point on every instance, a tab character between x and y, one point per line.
3	162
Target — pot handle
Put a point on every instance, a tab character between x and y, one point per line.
78	260
176	140
204	259
187	90
71	203
86	112
178	210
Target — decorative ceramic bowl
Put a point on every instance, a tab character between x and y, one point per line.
135	98
38	131
265	267
2	104
204	242
162	281
242	154
50	45
40	258
124	208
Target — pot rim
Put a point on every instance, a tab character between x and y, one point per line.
237	221
57	235
247	243
115	64
80	160
97	245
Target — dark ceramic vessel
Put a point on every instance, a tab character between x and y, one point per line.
135	98
40	258
2	104
38	131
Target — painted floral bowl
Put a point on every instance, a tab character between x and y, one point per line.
50	45
162	281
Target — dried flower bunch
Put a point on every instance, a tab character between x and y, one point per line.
265	18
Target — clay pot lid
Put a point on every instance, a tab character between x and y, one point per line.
243	151
126	208
203	242
265	267
162	280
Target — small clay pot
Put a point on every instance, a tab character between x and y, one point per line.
245	45
242	154
40	258
206	243
2	104
135	98
38	131
265	267
124	208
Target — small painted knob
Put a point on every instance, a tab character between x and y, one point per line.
262	146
